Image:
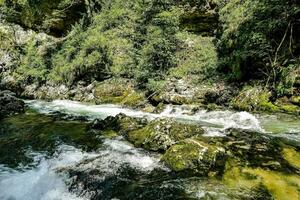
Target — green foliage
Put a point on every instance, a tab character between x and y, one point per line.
52	16
197	56
258	39
83	57
33	64
159	45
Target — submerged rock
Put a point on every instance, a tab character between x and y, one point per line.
277	185
9	104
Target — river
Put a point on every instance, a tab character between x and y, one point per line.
48	156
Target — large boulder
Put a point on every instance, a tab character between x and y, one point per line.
9	104
119	91
160	134
196	156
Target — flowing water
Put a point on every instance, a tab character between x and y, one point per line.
46	157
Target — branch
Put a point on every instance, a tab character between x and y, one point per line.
291	40
283	39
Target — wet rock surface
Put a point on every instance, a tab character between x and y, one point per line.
196	156
10	104
185	148
178	159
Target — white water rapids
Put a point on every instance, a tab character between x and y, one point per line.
217	119
43	182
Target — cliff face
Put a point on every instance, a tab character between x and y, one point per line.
54	17
57	17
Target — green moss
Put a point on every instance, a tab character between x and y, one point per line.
280	186
289	108
138	137
109	133
296	100
234	177
292	156
133	99
162	133
112	91
181	157
254	99
195	156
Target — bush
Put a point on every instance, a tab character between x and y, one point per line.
197	56
159	46
84	56
258	38
33	66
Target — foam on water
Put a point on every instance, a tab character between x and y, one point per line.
116	153
41	182
45	182
80	109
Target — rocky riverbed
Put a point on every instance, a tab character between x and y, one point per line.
71	150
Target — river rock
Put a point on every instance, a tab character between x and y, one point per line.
9	104
121	124
196	156
160	134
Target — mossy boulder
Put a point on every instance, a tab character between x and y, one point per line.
296	100
176	92
160	134
254	99
196	156
254	149
118	91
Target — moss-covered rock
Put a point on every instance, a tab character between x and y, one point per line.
254	149
120	124
196	156
254	99
160	134
118	91
296	100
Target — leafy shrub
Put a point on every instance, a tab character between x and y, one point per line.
257	38
197	56
34	64
84	56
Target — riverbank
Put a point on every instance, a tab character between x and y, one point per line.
211	96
